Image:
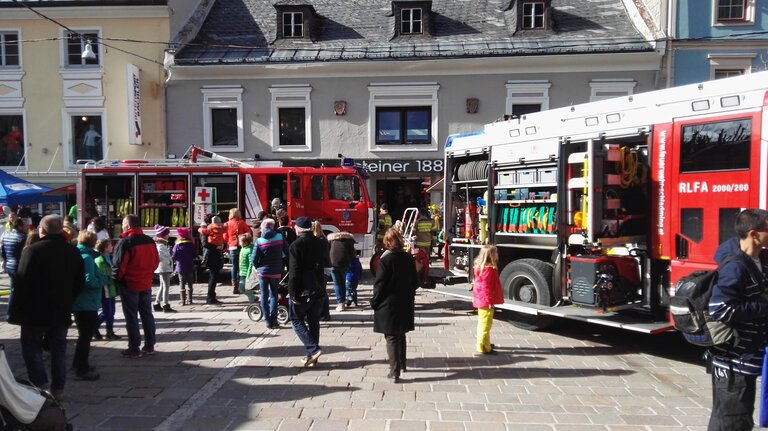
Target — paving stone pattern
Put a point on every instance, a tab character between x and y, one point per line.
217	370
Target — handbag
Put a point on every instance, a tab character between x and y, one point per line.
764	393
24	402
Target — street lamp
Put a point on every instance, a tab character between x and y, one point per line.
88	53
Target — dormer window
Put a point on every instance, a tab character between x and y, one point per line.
410	21
296	21
293	24
413	18
533	15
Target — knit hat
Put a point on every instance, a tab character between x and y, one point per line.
303	223
184	232
161	231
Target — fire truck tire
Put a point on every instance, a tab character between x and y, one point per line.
528	281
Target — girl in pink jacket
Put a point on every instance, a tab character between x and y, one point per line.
486	292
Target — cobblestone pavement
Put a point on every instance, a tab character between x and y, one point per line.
217	370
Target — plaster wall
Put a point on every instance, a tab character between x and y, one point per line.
695	20
349	134
44	111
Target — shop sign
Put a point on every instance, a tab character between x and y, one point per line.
419	166
134	104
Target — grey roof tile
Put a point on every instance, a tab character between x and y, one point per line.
245	31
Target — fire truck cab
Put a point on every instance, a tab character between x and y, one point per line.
597	209
180	194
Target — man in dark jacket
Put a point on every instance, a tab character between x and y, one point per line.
306	282
342	251
134	261
49	277
738	300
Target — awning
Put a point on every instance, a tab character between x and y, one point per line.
437	186
63	191
15	191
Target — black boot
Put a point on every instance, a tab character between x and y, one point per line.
112	336
97	334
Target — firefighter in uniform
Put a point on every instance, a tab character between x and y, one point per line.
424	228
384	223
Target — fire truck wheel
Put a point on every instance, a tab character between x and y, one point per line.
528	281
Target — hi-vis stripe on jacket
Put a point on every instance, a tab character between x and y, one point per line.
738	299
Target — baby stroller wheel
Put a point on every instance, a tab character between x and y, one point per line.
254	312
282	314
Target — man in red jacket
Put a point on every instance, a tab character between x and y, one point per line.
134	262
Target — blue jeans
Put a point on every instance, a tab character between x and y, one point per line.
352	291
234	257
107	314
309	331
269	299
339	276
92	152
32	352
135	305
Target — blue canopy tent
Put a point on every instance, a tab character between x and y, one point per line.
15	191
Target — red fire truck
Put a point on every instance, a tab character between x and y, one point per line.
178	193
597	209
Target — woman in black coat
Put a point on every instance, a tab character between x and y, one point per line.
394	293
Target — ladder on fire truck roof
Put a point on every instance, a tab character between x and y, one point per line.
190	158
629	114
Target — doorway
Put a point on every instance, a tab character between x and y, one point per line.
399	195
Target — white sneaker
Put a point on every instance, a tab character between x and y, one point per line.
340	307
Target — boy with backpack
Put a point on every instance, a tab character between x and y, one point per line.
738	300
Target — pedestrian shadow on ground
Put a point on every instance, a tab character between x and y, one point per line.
512	373
446	304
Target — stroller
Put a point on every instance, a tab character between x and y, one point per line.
254	310
25	407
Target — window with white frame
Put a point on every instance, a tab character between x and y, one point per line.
87	136
727	65
75	44
223	118
731	12
525	97
12	143
403	117
601	89
291	113
9	49
293	24
410	21
533	15
403	125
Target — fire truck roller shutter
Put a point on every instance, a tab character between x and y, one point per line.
528	281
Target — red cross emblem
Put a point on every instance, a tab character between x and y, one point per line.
203	195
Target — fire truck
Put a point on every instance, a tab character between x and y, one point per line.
598	209
179	193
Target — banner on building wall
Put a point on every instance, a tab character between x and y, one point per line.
133	84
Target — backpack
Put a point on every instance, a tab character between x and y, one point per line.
690	309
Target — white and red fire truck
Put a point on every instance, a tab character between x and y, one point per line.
179	193
597	209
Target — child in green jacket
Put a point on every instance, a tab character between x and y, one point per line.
107	315
246	250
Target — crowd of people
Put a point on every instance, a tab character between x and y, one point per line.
58	273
